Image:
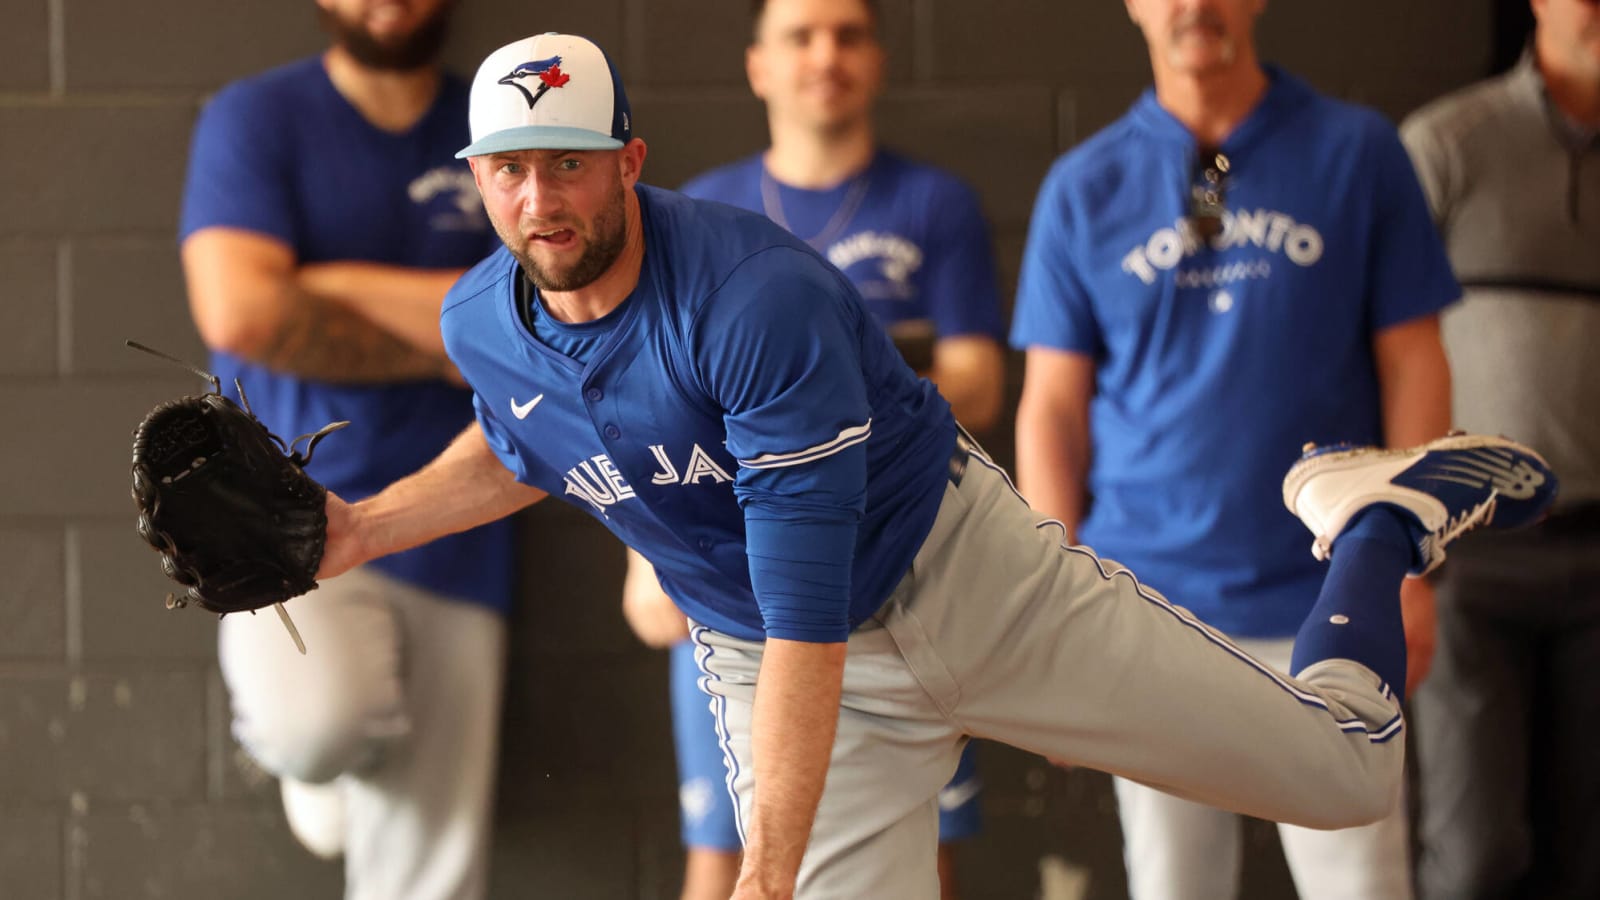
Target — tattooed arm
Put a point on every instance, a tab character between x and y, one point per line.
247	299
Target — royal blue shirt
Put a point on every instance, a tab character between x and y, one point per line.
1216	363
911	237
742	421
283	154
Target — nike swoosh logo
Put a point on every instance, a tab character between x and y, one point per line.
521	410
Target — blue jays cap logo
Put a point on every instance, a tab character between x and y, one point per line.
548	72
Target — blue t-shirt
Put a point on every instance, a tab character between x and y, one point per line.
283	154
911	237
742	387
1216	363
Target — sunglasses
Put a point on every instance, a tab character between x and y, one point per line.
1208	193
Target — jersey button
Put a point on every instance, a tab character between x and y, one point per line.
705	543
593	394
613	432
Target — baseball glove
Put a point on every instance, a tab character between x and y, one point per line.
228	505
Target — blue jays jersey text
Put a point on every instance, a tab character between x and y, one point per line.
742	380
1217	360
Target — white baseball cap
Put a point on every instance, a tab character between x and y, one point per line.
547	92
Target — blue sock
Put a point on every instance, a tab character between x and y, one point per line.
1357	615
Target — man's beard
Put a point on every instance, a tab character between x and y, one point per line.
610	236
413	51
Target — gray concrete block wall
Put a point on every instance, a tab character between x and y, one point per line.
117	774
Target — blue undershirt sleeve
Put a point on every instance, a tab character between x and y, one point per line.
779	349
800	563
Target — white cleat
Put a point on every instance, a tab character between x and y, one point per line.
1448	486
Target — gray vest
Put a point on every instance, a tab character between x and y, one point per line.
1515	190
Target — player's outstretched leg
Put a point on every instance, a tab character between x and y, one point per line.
1380	514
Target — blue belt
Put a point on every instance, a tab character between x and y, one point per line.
962	454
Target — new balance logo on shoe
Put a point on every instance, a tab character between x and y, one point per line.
1496	467
1448	487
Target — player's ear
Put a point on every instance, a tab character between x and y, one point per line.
755	71
480	170
630	159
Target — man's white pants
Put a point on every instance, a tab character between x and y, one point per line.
1177	850
398	699
999	631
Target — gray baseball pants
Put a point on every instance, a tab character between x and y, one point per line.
1178	850
1001	631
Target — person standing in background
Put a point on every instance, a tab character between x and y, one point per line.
316	280
1508	722
1235	267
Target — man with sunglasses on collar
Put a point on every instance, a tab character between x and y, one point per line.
1236	266
1511	715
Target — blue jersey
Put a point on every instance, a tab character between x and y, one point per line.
741	391
1215	363
261	162
911	237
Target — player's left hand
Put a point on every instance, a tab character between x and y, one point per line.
341	552
1417	610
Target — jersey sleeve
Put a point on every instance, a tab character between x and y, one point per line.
778	349
1053	308
240	168
960	281
1410	274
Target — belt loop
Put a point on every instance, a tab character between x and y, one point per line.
961	456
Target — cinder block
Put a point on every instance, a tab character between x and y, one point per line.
73	463
1399	97
659	847
1094	107
31	854
575	846
685	42
613	704
33	595
187	44
124	613
968	129
1008	244
1378	40
691	42
1024	40
130	288
24	51
28	294
569	596
182	851
689	132
483	26
104	736
87	168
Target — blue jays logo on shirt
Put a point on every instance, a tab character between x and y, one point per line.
463	209
548	71
898	259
